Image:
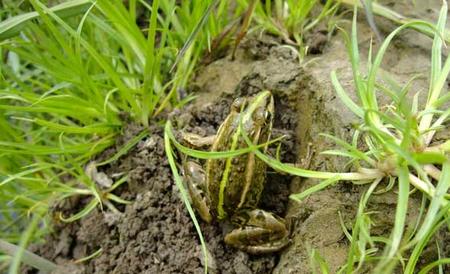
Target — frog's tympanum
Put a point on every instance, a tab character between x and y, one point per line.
230	188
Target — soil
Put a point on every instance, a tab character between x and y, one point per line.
154	234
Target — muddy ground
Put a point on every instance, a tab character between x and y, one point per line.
154	234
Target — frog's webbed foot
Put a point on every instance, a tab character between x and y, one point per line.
196	184
261	232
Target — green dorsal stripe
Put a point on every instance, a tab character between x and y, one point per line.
226	173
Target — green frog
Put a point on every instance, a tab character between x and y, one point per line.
230	188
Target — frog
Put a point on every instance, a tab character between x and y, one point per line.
229	189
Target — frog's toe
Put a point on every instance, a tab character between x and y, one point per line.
268	247
256	240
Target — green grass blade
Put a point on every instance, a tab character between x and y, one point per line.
322	185
99	58
436	48
91	256
181	188
436	202
194	33
429	267
20	175
371	96
213	154
117	199
151	62
344	96
100	129
429	157
399	19
28	258
124	149
439	75
401	211
351	149
439	220
24	240
85	211
12	26
318	262
353	52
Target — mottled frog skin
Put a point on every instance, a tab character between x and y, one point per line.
230	188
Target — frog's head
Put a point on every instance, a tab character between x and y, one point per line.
259	110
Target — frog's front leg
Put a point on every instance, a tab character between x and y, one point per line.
195	178
261	232
197	141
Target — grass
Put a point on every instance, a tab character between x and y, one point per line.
292	19
69	72
399	150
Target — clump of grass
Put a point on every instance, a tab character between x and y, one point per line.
399	149
372	7
399	141
291	19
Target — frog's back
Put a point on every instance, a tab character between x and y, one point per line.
238	184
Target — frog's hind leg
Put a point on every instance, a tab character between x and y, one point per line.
196	184
261	232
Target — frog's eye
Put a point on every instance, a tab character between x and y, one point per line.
238	104
260	115
268	116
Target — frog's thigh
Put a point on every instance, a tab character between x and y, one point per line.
196	183
261	218
261	232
